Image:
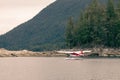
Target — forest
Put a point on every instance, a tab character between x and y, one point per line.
97	26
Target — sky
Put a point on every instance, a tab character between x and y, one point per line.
15	12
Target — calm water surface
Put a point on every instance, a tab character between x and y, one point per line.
59	69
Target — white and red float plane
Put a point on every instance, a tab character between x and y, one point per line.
75	53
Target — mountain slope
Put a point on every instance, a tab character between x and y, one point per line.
46	30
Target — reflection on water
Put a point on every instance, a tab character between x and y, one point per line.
59	69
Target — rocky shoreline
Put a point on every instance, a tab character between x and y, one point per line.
106	52
26	53
95	52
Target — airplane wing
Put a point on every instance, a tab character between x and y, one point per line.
67	52
87	51
70	52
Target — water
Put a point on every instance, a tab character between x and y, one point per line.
59	69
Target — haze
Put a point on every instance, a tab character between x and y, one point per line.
15	12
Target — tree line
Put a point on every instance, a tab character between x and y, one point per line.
97	26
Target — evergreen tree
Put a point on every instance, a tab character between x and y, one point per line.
69	33
110	21
110	10
97	26
91	30
118	9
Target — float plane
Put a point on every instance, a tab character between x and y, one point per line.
75	54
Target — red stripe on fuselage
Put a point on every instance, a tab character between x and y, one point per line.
75	54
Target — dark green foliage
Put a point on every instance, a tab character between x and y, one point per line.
46	31
69	33
97	26
110	11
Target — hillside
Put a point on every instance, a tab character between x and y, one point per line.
46	30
